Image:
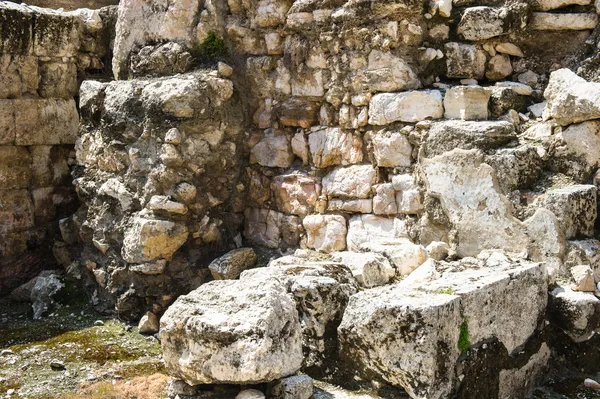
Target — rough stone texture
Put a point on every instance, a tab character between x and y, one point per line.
326	233
575	313
211	335
469	191
382	324
233	263
369	269
466	61
350	182
551	21
448	135
333	146
466	103
295	193
295	387
571	99
391	149
411	106
575	207
321	291
371	228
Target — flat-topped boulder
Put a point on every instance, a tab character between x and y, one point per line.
396	332
212	335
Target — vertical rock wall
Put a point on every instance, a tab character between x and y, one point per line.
43	55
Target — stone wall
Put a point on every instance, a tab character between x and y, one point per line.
70	4
43	56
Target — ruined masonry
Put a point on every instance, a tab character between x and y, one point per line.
385	195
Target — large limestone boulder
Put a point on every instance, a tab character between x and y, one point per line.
465	61
575	207
211	335
466	103
571	99
575	313
372	228
321	290
369	269
395	332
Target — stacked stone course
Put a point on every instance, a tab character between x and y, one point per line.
41	54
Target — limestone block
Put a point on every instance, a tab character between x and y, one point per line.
575	207
16	210
575	313
499	67
49	201
573	21
39	122
15	167
211	335
271	229
232	264
385	72
294	387
298	112
18	75
7	122
384	200
448	135
547	5
583	141
350	182
369	269
325	233
16	27
371	228
466	103
58	80
583	275
410	106
465	61
571	99
350	205
50	165
469	193
274	150
334	146
296	194
149	239
391	149
480	23
56	34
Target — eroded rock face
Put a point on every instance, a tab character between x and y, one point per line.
151	171
427	319
211	335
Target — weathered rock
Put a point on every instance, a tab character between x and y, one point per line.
369	269
517	382
571	99
250	394
384	200
334	146
510	49
326	233
575	208
575	313
295	387
516	167
552	21
350	205
499	67
273	151
371	228
466	103
211	335
381	325
483	218
480	23
149	239
43	292
583	141
438	250
321	290
465	61
148	324
546	5
350	182
271	229
404	255
232	264
411	106
448	135
391	149
385	72
296	194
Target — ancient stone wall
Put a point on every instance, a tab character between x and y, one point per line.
70	5
43	56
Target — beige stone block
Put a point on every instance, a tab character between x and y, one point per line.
18	75
16	210
45	122
15	167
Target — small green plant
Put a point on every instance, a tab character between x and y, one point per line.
463	337
212	47
446	291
